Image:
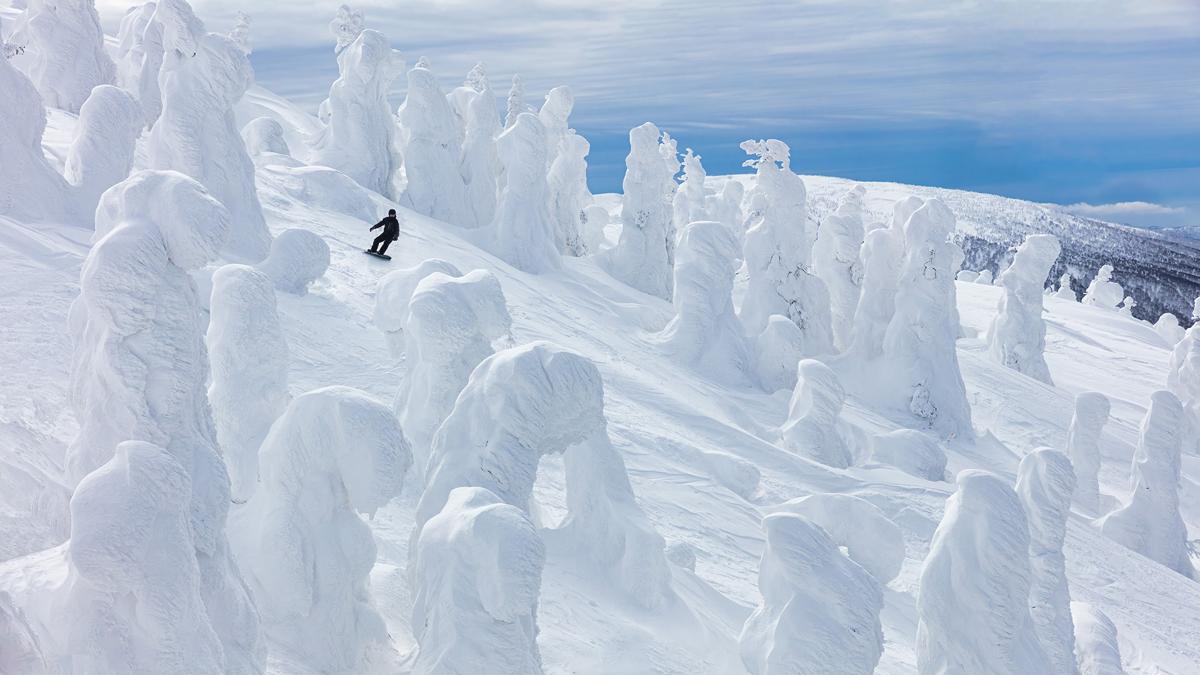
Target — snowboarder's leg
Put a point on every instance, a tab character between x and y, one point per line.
381	239
383	248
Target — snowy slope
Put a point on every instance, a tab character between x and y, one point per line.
679	432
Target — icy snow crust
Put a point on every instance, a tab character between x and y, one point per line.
693	463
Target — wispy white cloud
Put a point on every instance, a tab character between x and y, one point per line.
1141	214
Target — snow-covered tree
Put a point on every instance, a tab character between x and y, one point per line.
140	369
814	428
298	257
1097	650
1183	379
360	139
569	194
1149	523
973	603
689	204
452	323
64	51
203	75
101	155
1103	291
522	232
856	525
913	452
1065	292
516	102
139	57
526	402
265	141
985	277
1017	337
881	254
553	115
645	254
134	599
432	151
920	339
1168	329
705	332
1045	482
819	613
478	576
240	33
334	454
249	354
392	295
480	165
836	261
776	351
726	207
591	225
30	188
1083	447
777	252
346	26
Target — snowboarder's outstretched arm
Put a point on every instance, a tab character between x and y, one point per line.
378	225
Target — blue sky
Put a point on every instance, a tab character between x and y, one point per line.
1091	103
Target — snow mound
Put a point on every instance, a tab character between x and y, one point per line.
1097	649
815	601
973	602
869	537
298	258
392	295
267	143
335	453
913	452
478	577
20	650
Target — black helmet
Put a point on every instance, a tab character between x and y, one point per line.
391	212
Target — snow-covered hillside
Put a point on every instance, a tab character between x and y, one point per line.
499	456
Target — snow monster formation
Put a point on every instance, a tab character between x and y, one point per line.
819	613
973	603
480	165
140	370
307	554
1017	337
1083	447
249	356
360	139
569	194
393	293
64	51
522	233
140	57
814	428
920	339
645	254
869	537
298	258
1045	482
882	254
689	204
534	400
478	577
101	155
1149	523
705	332
203	75
778	253
836	261
432	147
1096	647
1103	291
452	323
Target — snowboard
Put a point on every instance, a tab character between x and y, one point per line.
378	255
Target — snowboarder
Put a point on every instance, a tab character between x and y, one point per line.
391	232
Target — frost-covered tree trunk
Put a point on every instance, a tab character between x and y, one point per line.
203	76
64	51
522	232
705	332
249	354
480	165
334	454
920	339
452	323
777	252
360	139
478	577
973	603
813	426
645	254
1045	482
1149	523
140	370
432	151
101	155
836	261
1083	447
569	194
819	613
1017	337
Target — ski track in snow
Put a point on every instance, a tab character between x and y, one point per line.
667	422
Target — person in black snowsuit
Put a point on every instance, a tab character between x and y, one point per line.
391	232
